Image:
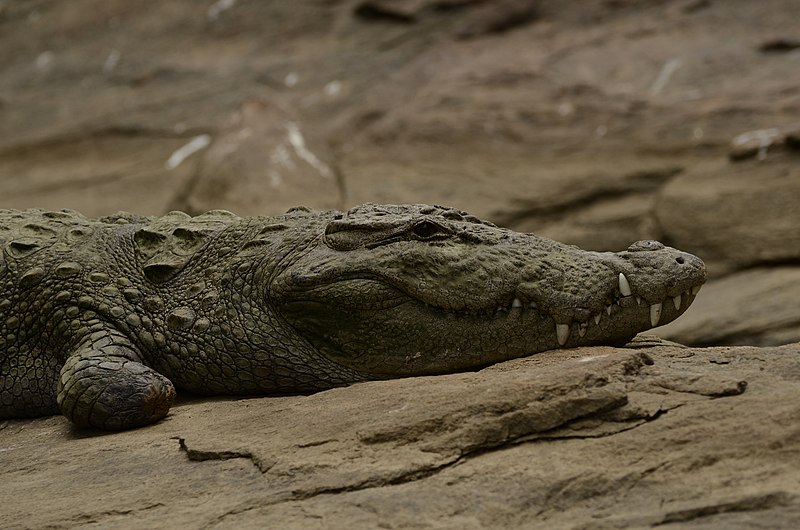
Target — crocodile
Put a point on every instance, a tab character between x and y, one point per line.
102	319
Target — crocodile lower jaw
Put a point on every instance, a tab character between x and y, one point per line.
625	307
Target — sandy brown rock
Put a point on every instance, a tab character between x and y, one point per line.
594	211
759	143
588	438
594	126
735	215
113	171
568	123
542	99
759	306
262	160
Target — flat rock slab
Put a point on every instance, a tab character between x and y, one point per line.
736	215
758	306
259	162
654	433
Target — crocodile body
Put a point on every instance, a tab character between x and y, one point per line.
102	319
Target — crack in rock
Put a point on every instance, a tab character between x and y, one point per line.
197	455
91	518
701	385
305	494
746	504
617	396
377	482
644	183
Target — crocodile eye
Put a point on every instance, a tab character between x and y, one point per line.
427	229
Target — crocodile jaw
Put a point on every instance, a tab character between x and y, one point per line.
412	338
385	323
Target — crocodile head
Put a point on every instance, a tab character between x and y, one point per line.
408	290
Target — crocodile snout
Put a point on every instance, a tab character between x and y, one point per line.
656	273
669	263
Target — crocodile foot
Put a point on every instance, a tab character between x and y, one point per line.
108	389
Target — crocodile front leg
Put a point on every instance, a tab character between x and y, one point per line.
103	384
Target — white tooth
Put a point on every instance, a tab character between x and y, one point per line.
516	303
695	289
608	310
582	328
562	333
597	318
500	309
532	305
676	300
638	300
624	286
655	314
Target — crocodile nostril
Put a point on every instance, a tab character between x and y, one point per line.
680	260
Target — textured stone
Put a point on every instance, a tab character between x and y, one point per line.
736	215
759	306
580	438
264	159
537	115
762	142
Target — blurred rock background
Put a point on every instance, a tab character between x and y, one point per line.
593	123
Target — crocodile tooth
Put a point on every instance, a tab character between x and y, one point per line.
582	327
655	314
501	309
597	318
638	300
624	286
532	305
608	309
562	333
516	303
676	300
695	289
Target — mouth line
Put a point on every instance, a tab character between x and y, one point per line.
622	300
619	301
630	305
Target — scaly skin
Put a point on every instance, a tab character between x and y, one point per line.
102	319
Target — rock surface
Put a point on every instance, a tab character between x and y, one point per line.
595	126
755	212
759	306
259	140
651	434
